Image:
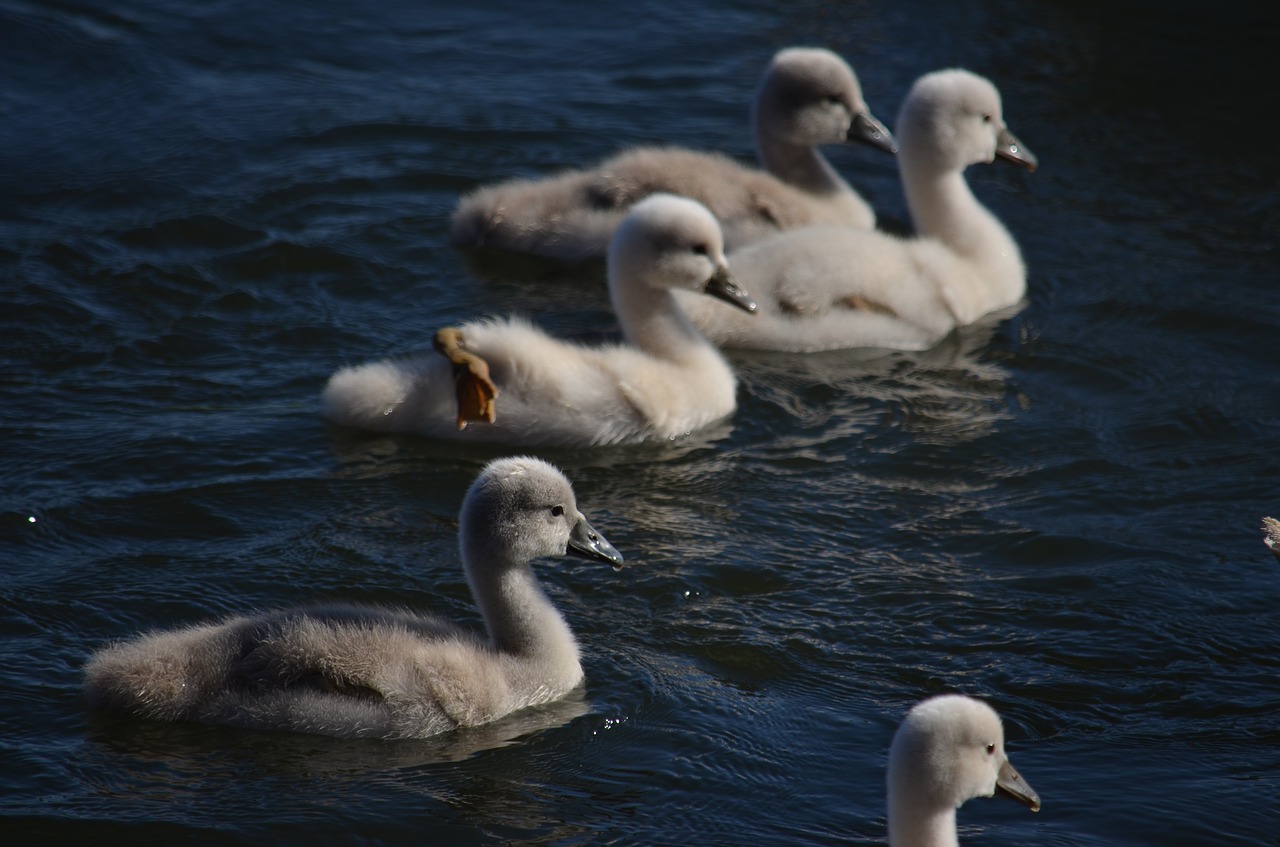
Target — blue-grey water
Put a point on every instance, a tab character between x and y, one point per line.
206	208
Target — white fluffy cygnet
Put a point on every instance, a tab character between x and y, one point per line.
807	97
947	751
664	382
363	672
825	288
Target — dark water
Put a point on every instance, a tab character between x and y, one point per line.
207	208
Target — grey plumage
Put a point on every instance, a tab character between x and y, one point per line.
807	97
355	672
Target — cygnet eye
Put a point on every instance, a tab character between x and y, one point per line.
991	748
834	100
701	249
557	510
986	118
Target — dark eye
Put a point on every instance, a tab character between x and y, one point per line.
557	510
834	100
991	748
700	249
986	119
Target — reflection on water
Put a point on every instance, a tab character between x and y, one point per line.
201	220
953	393
282	753
362	455
465	774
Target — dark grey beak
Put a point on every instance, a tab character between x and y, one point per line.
868	130
584	541
1009	148
1011	784
720	285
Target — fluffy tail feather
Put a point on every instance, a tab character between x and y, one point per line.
559	218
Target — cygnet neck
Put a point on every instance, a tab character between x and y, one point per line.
800	165
653	321
519	618
912	827
943	207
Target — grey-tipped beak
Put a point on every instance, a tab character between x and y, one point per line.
1011	784
722	286
868	130
584	541
1009	148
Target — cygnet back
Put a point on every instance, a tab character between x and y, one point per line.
359	672
807	97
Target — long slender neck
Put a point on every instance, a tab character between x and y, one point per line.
919	812
653	322
916	828
943	207
517	614
796	164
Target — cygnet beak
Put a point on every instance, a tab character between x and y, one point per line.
868	130
1009	148
584	541
722	286
1011	784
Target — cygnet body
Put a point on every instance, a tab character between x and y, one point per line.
824	288
807	97
363	672
948	750
664	382
1271	535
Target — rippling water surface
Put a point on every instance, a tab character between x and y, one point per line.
207	208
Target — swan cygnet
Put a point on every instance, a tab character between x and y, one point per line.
826	288
807	97
1271	535
665	381
948	750
364	672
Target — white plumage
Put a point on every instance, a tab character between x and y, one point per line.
823	288
947	751
664	382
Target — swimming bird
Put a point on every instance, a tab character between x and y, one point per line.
807	97
364	672
948	750
522	386
824	288
1271	535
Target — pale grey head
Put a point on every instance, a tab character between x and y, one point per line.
954	118
950	749
525	507
674	242
809	96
